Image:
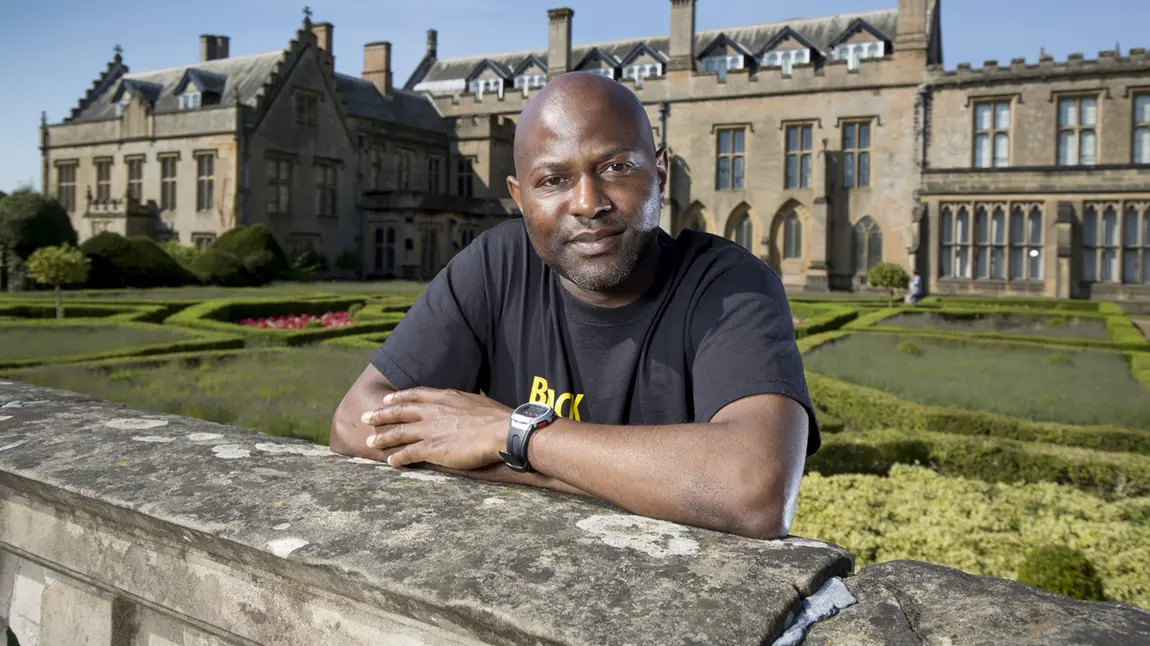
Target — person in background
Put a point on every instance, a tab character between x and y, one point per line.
915	294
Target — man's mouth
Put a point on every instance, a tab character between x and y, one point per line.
591	243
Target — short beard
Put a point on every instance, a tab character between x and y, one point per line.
602	274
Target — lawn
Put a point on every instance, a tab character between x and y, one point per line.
205	292
1001	323
1065	385
290	392
23	342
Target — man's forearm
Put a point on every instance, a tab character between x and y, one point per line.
703	474
502	473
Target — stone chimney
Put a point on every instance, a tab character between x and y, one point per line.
377	65
911	42
213	47
559	41
682	54
432	43
324	32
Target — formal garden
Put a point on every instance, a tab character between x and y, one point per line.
1004	437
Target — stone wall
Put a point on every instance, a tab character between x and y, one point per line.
126	527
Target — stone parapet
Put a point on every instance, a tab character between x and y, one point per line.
122	526
133	521
1044	180
1046	69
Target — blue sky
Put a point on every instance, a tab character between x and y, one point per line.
53	49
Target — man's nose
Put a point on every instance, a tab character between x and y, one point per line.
587	198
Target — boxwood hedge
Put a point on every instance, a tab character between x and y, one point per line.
990	459
222	314
111	312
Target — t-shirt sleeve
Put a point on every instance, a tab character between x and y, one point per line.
744	341
442	341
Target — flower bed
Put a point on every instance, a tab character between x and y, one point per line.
299	321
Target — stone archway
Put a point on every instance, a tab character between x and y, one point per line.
788	240
698	218
743	228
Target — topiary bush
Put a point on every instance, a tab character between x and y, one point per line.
889	276
909	347
221	268
1062	570
257	250
133	261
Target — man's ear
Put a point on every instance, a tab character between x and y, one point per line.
662	167
513	188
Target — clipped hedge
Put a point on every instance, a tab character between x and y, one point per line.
221	314
950	302
990	459
200	341
369	342
1123	333
831	320
133	261
863	408
47	310
977	527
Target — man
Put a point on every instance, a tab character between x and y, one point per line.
914	295
671	362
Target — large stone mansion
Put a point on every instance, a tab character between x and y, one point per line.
823	145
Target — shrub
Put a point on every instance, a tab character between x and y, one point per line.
221	268
909	347
29	220
313	325
354	309
888	276
134	261
1060	359
349	261
1062	570
56	266
256	249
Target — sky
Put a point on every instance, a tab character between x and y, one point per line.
53	49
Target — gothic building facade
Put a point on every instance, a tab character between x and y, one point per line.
823	145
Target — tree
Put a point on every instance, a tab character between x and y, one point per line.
56	266
888	276
28	221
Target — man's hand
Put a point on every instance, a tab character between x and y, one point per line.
443	427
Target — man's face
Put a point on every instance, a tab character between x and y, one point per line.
590	190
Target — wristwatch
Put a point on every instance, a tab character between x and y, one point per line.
526	419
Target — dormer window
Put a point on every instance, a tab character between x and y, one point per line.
480	86
786	59
642	71
721	64
190	100
527	82
605	72
852	53
122	104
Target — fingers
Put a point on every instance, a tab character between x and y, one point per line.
410	454
395	436
395	413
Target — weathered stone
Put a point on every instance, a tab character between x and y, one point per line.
911	603
252	537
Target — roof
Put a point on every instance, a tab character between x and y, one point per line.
820	32
364	100
245	75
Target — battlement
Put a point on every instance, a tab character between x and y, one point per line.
1107	62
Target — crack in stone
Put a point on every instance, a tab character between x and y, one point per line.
911	617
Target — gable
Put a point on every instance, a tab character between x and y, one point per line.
531	65
480	71
644	54
792	40
787	44
723	46
596	59
859	31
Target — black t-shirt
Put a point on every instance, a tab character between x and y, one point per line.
714	328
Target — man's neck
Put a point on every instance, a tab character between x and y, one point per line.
642	277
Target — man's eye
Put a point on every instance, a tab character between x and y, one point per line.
619	167
552	181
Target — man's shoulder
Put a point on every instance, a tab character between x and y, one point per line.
492	250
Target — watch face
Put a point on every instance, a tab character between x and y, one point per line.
532	410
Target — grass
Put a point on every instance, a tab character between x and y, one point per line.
35	342
1065	385
999	323
205	292
290	393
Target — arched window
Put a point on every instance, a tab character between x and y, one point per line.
792	237
867	242
743	232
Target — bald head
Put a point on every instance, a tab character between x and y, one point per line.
579	100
